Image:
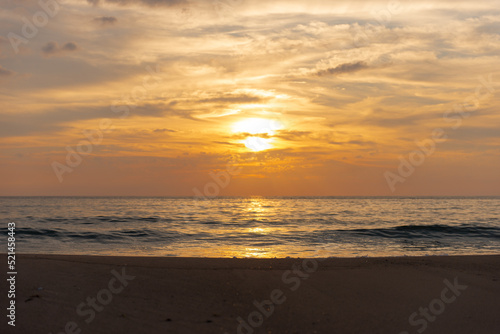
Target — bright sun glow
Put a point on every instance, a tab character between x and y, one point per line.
256	126
258	144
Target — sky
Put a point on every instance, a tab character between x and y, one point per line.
249	98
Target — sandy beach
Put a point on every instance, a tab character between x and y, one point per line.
90	294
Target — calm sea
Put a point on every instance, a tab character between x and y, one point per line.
254	226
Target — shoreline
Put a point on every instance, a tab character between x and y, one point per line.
128	256
253	295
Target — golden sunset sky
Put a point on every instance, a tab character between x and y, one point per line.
303	97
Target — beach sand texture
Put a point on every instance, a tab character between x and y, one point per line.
203	295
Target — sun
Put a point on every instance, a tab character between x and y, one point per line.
257	126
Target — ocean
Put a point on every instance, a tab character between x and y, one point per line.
254	226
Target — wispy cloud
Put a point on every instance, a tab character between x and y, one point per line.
5	72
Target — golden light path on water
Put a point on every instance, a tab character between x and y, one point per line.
263	212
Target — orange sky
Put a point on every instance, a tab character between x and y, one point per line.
161	97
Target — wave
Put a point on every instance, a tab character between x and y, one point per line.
108	236
425	231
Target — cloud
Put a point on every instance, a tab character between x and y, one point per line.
54	120
163	130
233	99
473	133
343	68
5	72
70	46
152	3
294	135
105	20
354	142
52	48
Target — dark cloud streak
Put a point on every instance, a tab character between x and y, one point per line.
343	68
151	3
106	20
70	46
52	48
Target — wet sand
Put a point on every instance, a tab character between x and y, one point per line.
94	294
